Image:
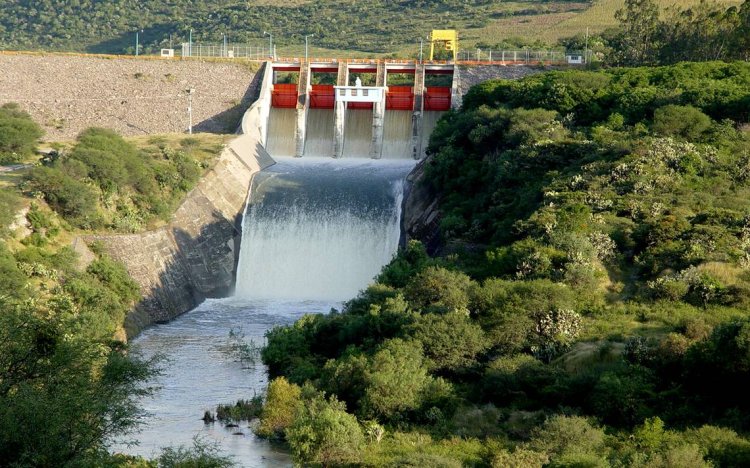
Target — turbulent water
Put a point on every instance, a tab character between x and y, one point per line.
317	230
320	228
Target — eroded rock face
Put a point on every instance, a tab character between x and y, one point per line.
421	215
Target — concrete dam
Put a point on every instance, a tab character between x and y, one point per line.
327	166
356	109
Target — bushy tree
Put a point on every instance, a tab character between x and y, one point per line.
451	341
19	134
324	433
62	395
440	290
282	400
683	121
567	436
395	379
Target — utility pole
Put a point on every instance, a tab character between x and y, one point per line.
270	43
586	50
190	43
306	36
190	109
421	45
225	44
136	43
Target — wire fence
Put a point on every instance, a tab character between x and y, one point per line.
247	51
523	56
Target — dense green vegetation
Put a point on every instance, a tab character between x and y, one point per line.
68	384
707	31
589	308
370	26
107	182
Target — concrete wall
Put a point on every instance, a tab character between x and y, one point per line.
195	255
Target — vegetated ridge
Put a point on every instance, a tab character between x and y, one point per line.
340	26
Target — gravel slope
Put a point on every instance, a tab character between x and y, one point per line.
66	94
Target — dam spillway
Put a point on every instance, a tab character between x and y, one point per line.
374	109
320	229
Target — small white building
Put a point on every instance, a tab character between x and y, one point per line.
574	59
167	53
360	93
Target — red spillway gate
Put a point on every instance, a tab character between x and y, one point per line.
284	95
359	105
400	98
437	98
322	96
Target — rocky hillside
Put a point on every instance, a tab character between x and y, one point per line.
67	94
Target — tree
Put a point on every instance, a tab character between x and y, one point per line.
683	121
19	134
440	290
562	436
450	341
324	433
62	395
282	401
639	21
395	379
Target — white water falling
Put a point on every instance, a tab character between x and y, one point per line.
281	125
320	229
397	130
358	133
319	136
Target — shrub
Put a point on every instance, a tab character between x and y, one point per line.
9	206
683	121
19	134
563	435
13	280
115	277
324	433
282	400
518	458
440	290
450	342
395	379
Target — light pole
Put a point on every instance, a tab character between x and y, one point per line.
190	93
270	42
225	44
190	43
421	44
136	42
306	36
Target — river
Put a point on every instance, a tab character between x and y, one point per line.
316	231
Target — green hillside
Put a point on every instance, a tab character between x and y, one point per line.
590	308
340	27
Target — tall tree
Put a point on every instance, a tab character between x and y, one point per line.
637	42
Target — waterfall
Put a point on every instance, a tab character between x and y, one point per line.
320	229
